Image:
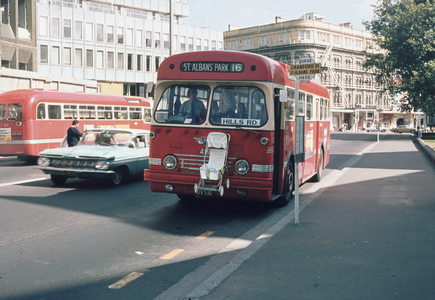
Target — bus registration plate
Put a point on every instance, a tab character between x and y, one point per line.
204	193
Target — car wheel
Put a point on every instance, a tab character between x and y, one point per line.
58	179
288	188
396	131
116	177
412	132
318	176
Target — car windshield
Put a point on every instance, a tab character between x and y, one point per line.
106	138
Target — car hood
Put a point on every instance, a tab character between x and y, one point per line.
97	152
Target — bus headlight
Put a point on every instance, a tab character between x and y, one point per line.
101	165
241	167
43	161
170	162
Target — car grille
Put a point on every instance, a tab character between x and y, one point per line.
68	163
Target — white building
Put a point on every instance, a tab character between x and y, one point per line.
118	43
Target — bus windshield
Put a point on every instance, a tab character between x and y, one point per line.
230	106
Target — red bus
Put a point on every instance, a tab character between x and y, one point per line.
259	118
34	120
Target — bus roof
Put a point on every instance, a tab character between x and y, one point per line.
230	66
37	95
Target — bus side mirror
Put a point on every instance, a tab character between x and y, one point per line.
282	96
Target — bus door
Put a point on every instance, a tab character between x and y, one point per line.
310	137
278	147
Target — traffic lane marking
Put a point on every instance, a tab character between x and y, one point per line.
204	235
24	181
126	280
172	254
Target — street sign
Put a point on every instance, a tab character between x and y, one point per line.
305	69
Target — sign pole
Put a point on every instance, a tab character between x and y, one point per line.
297	139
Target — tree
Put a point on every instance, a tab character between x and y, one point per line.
404	30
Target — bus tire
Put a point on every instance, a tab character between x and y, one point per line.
289	186
318	175
58	179
116	178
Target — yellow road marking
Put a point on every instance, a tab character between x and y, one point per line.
172	254
204	235
124	281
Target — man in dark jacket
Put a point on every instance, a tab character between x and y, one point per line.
73	134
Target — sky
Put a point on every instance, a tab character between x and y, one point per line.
218	14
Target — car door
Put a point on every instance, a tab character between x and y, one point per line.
143	152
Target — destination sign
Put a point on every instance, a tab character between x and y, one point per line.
218	67
304	69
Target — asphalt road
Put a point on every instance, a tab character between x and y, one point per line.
87	241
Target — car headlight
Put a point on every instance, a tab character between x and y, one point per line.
43	161
241	167
102	165
170	162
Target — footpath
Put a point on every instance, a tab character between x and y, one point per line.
370	234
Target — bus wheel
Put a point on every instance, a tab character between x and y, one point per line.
288	188
318	176
58	179
116	177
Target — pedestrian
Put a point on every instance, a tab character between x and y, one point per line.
73	135
419	134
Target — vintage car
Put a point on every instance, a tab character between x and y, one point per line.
111	154
404	128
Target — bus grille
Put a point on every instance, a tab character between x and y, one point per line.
189	163
66	163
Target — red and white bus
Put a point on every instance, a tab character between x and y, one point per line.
261	124
34	120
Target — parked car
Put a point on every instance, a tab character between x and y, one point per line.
111	154
371	128
403	128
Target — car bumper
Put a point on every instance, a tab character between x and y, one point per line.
74	172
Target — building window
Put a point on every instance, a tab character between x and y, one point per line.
220	45
100	33
110	60
129	61
78	30
67	56
43	25
120	37
183	43
148	40
190	44
166	41
120	65
205	45
100	58
55	22
139	62
157	63
55	55
148	69
213	45
139	38
78	58
174	43
198	44
22	13
5	9
67	28
89	58
44	54
89	31
110	34
130	36
157	39
308	35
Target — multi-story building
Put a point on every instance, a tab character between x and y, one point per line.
356	99
119	44
17	35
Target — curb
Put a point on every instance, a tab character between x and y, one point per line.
430	153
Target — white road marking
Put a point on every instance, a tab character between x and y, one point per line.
24	181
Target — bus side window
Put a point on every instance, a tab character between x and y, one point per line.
147	114
41	111
54	112
290	105
309	113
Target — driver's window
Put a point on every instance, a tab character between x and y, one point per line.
183	104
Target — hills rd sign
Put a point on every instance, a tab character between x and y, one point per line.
304	70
